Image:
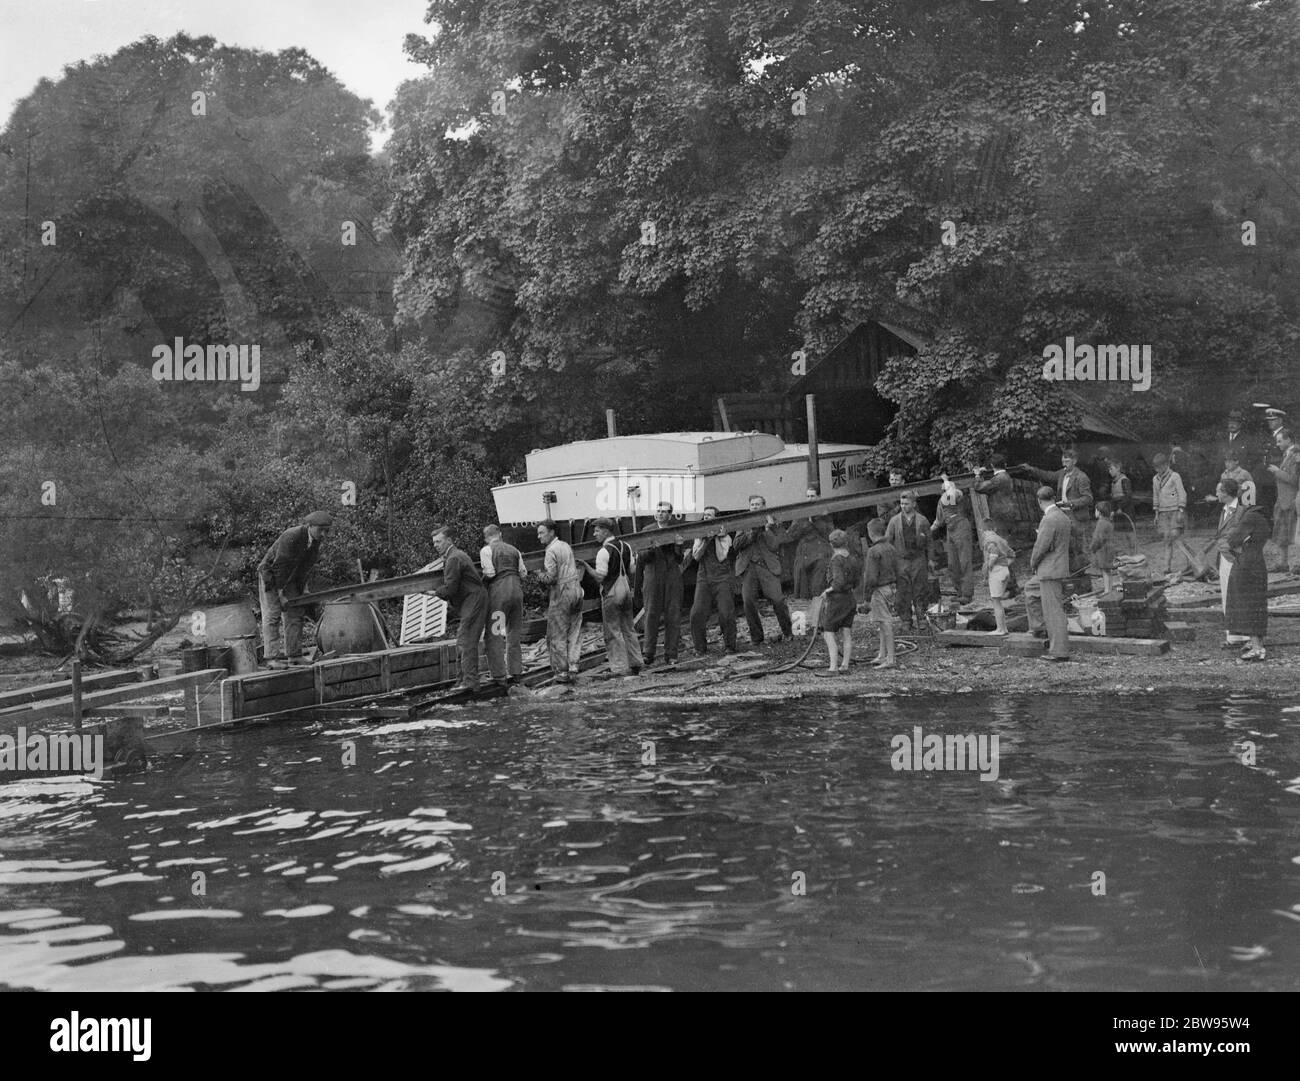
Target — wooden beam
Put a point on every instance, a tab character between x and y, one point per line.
62	707
101	681
689	531
1026	645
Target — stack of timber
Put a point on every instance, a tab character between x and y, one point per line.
1136	611
1027	645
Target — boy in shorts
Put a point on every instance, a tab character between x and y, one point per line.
997	565
1169	501
880	572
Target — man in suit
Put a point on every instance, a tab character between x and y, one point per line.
501	564
1286	475
659	572
462	589
1050	566
1228	494
909	533
711	556
282	575
1071	487
758	563
1234	444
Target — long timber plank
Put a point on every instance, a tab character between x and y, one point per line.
689	531
99	681
1026	645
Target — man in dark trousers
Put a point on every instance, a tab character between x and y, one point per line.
660	573
758	563
909	533
614	566
996	485
462	589
712	557
282	575
1071	487
501	563
1050	566
953	520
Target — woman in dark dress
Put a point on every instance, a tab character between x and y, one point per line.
839	604
1247	611
812	556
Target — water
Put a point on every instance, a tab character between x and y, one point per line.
613	873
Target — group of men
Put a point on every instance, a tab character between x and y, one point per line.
487	594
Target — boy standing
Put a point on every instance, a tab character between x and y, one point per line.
879	575
997	565
1103	546
1169	501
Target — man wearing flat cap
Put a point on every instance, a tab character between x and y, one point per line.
1235	442
281	576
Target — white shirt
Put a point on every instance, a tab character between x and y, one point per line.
721	547
485	561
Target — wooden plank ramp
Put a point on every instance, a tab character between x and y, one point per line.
207	682
98	681
1026	645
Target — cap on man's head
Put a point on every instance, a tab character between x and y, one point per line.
320	518
604	523
1274	414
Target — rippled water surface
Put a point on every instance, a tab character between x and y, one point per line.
768	846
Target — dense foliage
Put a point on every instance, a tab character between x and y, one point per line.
636	204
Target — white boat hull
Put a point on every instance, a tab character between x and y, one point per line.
781	479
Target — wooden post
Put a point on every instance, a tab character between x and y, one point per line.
76	692
610	427
814	466
722	412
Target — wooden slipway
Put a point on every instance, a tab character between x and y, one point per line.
144	716
1026	645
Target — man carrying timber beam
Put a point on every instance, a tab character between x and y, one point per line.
462	589
502	563
281	575
564	613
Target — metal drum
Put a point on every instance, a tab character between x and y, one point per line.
243	654
194	660
350	627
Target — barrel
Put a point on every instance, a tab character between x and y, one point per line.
243	654
194	660
349	627
229	621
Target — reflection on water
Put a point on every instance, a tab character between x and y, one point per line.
1129	842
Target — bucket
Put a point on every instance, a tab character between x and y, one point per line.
349	627
243	654
194	660
1092	620
229	621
